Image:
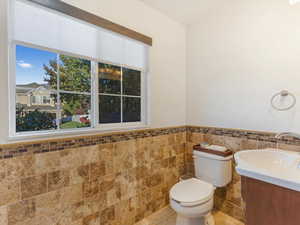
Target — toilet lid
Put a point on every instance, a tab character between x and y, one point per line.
192	191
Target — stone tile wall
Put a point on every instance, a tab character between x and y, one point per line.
112	179
117	181
229	199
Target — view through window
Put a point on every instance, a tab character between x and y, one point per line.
54	92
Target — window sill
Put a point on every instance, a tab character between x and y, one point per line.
71	133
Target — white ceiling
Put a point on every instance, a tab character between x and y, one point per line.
184	11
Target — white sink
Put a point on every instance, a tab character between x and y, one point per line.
273	166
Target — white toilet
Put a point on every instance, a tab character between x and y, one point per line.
193	199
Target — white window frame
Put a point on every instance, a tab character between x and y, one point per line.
95	126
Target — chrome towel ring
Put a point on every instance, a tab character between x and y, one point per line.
283	93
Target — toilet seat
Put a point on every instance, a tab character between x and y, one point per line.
192	192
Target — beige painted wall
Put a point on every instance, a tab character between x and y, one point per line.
167	58
238	56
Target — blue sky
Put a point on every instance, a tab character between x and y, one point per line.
29	65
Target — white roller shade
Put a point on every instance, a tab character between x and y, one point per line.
111	47
43	27
135	54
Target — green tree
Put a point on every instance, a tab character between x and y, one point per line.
74	75
34	121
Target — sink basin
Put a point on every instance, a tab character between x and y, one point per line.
273	166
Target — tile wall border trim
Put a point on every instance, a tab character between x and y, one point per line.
246	134
50	145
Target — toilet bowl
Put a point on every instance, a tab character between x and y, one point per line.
193	199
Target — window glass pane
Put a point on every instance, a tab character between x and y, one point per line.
131	109
131	82
74	74
32	87
37	116
31	68
109	109
109	79
75	111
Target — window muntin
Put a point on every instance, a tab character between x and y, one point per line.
66	84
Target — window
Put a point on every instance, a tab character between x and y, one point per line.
46	100
54	92
74	76
33	99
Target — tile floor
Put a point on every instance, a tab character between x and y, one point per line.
167	216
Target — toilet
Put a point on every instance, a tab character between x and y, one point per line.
193	199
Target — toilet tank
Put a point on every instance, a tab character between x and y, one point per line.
214	169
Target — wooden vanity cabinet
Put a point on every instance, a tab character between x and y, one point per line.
268	204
